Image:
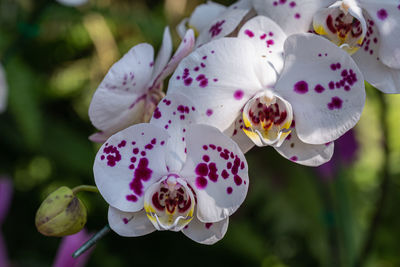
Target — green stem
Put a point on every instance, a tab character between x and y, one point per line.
92	241
87	188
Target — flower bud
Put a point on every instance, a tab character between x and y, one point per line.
61	214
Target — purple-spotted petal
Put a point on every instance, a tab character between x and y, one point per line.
3	90
212	78
129	223
221	26
164	54
217	171
386	16
374	70
206	233
183	50
203	14
128	163
305	154
294	16
267	37
119	100
324	87
175	113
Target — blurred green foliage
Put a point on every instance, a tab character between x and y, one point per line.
55	57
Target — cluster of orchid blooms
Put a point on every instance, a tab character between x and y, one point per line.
286	74
283	73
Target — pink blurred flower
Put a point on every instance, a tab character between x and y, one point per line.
345	153
5	201
68	246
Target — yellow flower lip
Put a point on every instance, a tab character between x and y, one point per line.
341	26
267	119
170	204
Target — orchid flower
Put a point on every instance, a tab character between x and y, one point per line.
370	30
3	90
72	2
132	87
171	174
5	203
318	96
367	29
212	21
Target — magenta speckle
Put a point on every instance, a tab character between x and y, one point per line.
301	87
208	225
292	4
201	182
201	169
229	190
297	15
157	113
238	94
294	158
336	103
249	33
209	112
382	14
319	88
188	81
132	198
238	180
125	220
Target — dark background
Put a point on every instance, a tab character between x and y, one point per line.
55	57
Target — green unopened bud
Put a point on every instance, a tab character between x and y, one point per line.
61	214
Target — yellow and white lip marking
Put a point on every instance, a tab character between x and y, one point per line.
342	24
169	204
267	118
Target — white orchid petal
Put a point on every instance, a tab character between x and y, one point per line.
206	233
183	50
181	28
129	224
237	134
205	13
119	100
217	171
305	154
164	54
220	77
375	71
222	26
324	87
267	37
128	163
386	16
292	16
72	2
175	113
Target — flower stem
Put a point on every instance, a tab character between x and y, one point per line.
92	241
87	188
384	186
